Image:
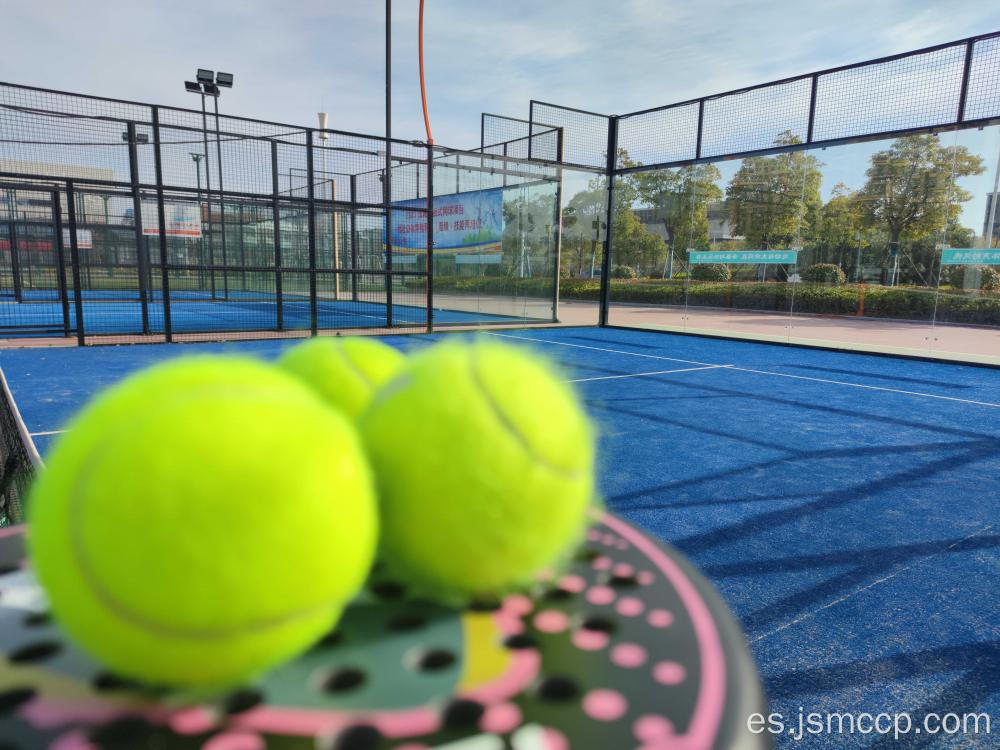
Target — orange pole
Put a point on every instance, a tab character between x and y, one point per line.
423	86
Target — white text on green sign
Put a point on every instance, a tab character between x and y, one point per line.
969	256
743	256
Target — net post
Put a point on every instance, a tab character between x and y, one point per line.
602	318
430	238
162	216
74	254
140	238
276	220
310	193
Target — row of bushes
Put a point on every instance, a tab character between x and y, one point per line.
986	278
904	303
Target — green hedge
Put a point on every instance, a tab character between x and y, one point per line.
903	303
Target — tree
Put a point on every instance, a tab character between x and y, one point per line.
582	234
911	193
680	199
839	234
774	200
636	246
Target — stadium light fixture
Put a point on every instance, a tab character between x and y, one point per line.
193	86
224	79
211	89
205	76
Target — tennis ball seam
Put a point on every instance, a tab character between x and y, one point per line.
354	367
108	600
510	427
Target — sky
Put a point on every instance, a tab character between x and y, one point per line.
293	59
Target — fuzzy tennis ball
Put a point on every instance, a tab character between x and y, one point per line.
202	521
484	463
345	371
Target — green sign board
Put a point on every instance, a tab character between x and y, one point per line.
750	257
969	256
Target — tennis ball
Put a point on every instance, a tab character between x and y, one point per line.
345	371
484	463
202	521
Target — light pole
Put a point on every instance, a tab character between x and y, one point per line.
196	157
208	83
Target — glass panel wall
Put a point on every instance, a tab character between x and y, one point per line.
496	234
877	246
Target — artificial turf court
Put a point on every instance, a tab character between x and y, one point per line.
845	505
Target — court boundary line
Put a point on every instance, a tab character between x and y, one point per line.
601	349
734	367
868	387
646	374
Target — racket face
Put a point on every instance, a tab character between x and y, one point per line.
628	647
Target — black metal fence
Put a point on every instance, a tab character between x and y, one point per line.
126	219
934	88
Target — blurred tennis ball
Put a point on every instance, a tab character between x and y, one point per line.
344	371
202	521
484	463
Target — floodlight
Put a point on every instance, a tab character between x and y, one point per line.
224	79
193	86
211	89
206	76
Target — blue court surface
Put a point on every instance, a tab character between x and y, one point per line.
120	313
845	505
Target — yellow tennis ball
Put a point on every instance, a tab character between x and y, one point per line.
202	521
484	463
344	371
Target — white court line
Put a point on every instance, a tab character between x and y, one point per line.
868	387
644	374
599	349
47	432
761	372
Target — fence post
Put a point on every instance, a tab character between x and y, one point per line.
74	254
313	302
276	219
602	317
966	70
354	237
387	238
161	211
15	263
140	239
812	108
701	122
430	238
61	260
557	227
